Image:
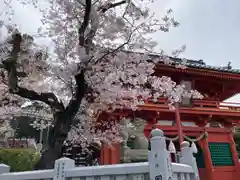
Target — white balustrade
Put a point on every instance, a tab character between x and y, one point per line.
158	167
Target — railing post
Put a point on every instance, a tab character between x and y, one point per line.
186	157
4	168
160	166
61	165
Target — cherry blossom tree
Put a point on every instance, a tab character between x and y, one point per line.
103	60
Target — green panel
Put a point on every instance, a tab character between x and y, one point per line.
221	154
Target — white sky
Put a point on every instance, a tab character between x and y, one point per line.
209	28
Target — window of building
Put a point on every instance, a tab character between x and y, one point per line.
186	101
188	84
221	154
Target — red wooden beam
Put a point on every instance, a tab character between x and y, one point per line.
179	125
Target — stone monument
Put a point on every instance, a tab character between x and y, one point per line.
133	130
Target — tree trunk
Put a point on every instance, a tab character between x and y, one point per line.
57	136
63	116
47	159
55	150
63	119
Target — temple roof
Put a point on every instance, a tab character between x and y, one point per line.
202	65
198	64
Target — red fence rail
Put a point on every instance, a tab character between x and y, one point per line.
204	103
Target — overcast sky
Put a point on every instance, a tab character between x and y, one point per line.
209	28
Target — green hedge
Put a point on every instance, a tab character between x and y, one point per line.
19	159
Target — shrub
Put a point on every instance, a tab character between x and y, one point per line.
19	159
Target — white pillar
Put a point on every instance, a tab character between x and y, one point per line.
4	168
188	158
160	166
61	165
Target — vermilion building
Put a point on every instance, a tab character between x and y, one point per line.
208	122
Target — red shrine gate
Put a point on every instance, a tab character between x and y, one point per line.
217	157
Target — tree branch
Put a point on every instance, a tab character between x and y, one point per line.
117	49
111	5
85	23
81	86
10	66
48	98
74	104
87	40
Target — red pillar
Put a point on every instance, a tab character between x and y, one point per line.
110	154
105	155
115	153
234	150
178	123
207	159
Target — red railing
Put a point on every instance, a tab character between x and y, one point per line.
203	103
231	106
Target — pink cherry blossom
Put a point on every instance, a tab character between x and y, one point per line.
116	53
